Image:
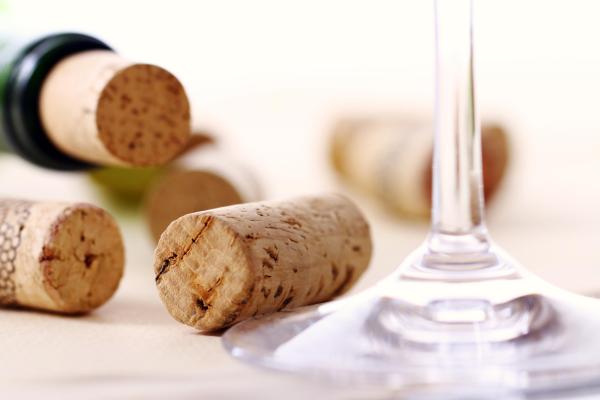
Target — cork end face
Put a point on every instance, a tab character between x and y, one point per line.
143	116
181	192
82	259
202	272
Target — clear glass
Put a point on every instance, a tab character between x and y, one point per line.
459	317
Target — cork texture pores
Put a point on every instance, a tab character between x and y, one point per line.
13	216
218	267
60	257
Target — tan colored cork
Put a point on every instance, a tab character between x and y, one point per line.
179	192
218	267
101	108
389	157
203	178
60	257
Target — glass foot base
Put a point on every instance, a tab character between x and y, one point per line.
514	334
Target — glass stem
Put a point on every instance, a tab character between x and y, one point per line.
457	203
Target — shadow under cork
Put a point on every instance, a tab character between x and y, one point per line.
131	312
12	310
217	333
117	312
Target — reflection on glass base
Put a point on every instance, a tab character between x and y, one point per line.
512	333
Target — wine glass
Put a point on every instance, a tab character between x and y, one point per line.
458	315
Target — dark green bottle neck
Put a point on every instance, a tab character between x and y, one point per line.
21	127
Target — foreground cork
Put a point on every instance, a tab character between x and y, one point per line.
61	257
101	108
218	267
389	157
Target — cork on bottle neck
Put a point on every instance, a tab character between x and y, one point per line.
101	108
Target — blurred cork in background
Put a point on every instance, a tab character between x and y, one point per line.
389	157
202	177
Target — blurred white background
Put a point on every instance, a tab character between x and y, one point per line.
270	77
538	66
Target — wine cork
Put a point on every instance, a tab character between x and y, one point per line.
390	157
124	188
101	108
203	178
60	257
218	267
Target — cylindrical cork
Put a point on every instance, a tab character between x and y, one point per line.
101	108
218	267
60	257
203	178
124	188
390	156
